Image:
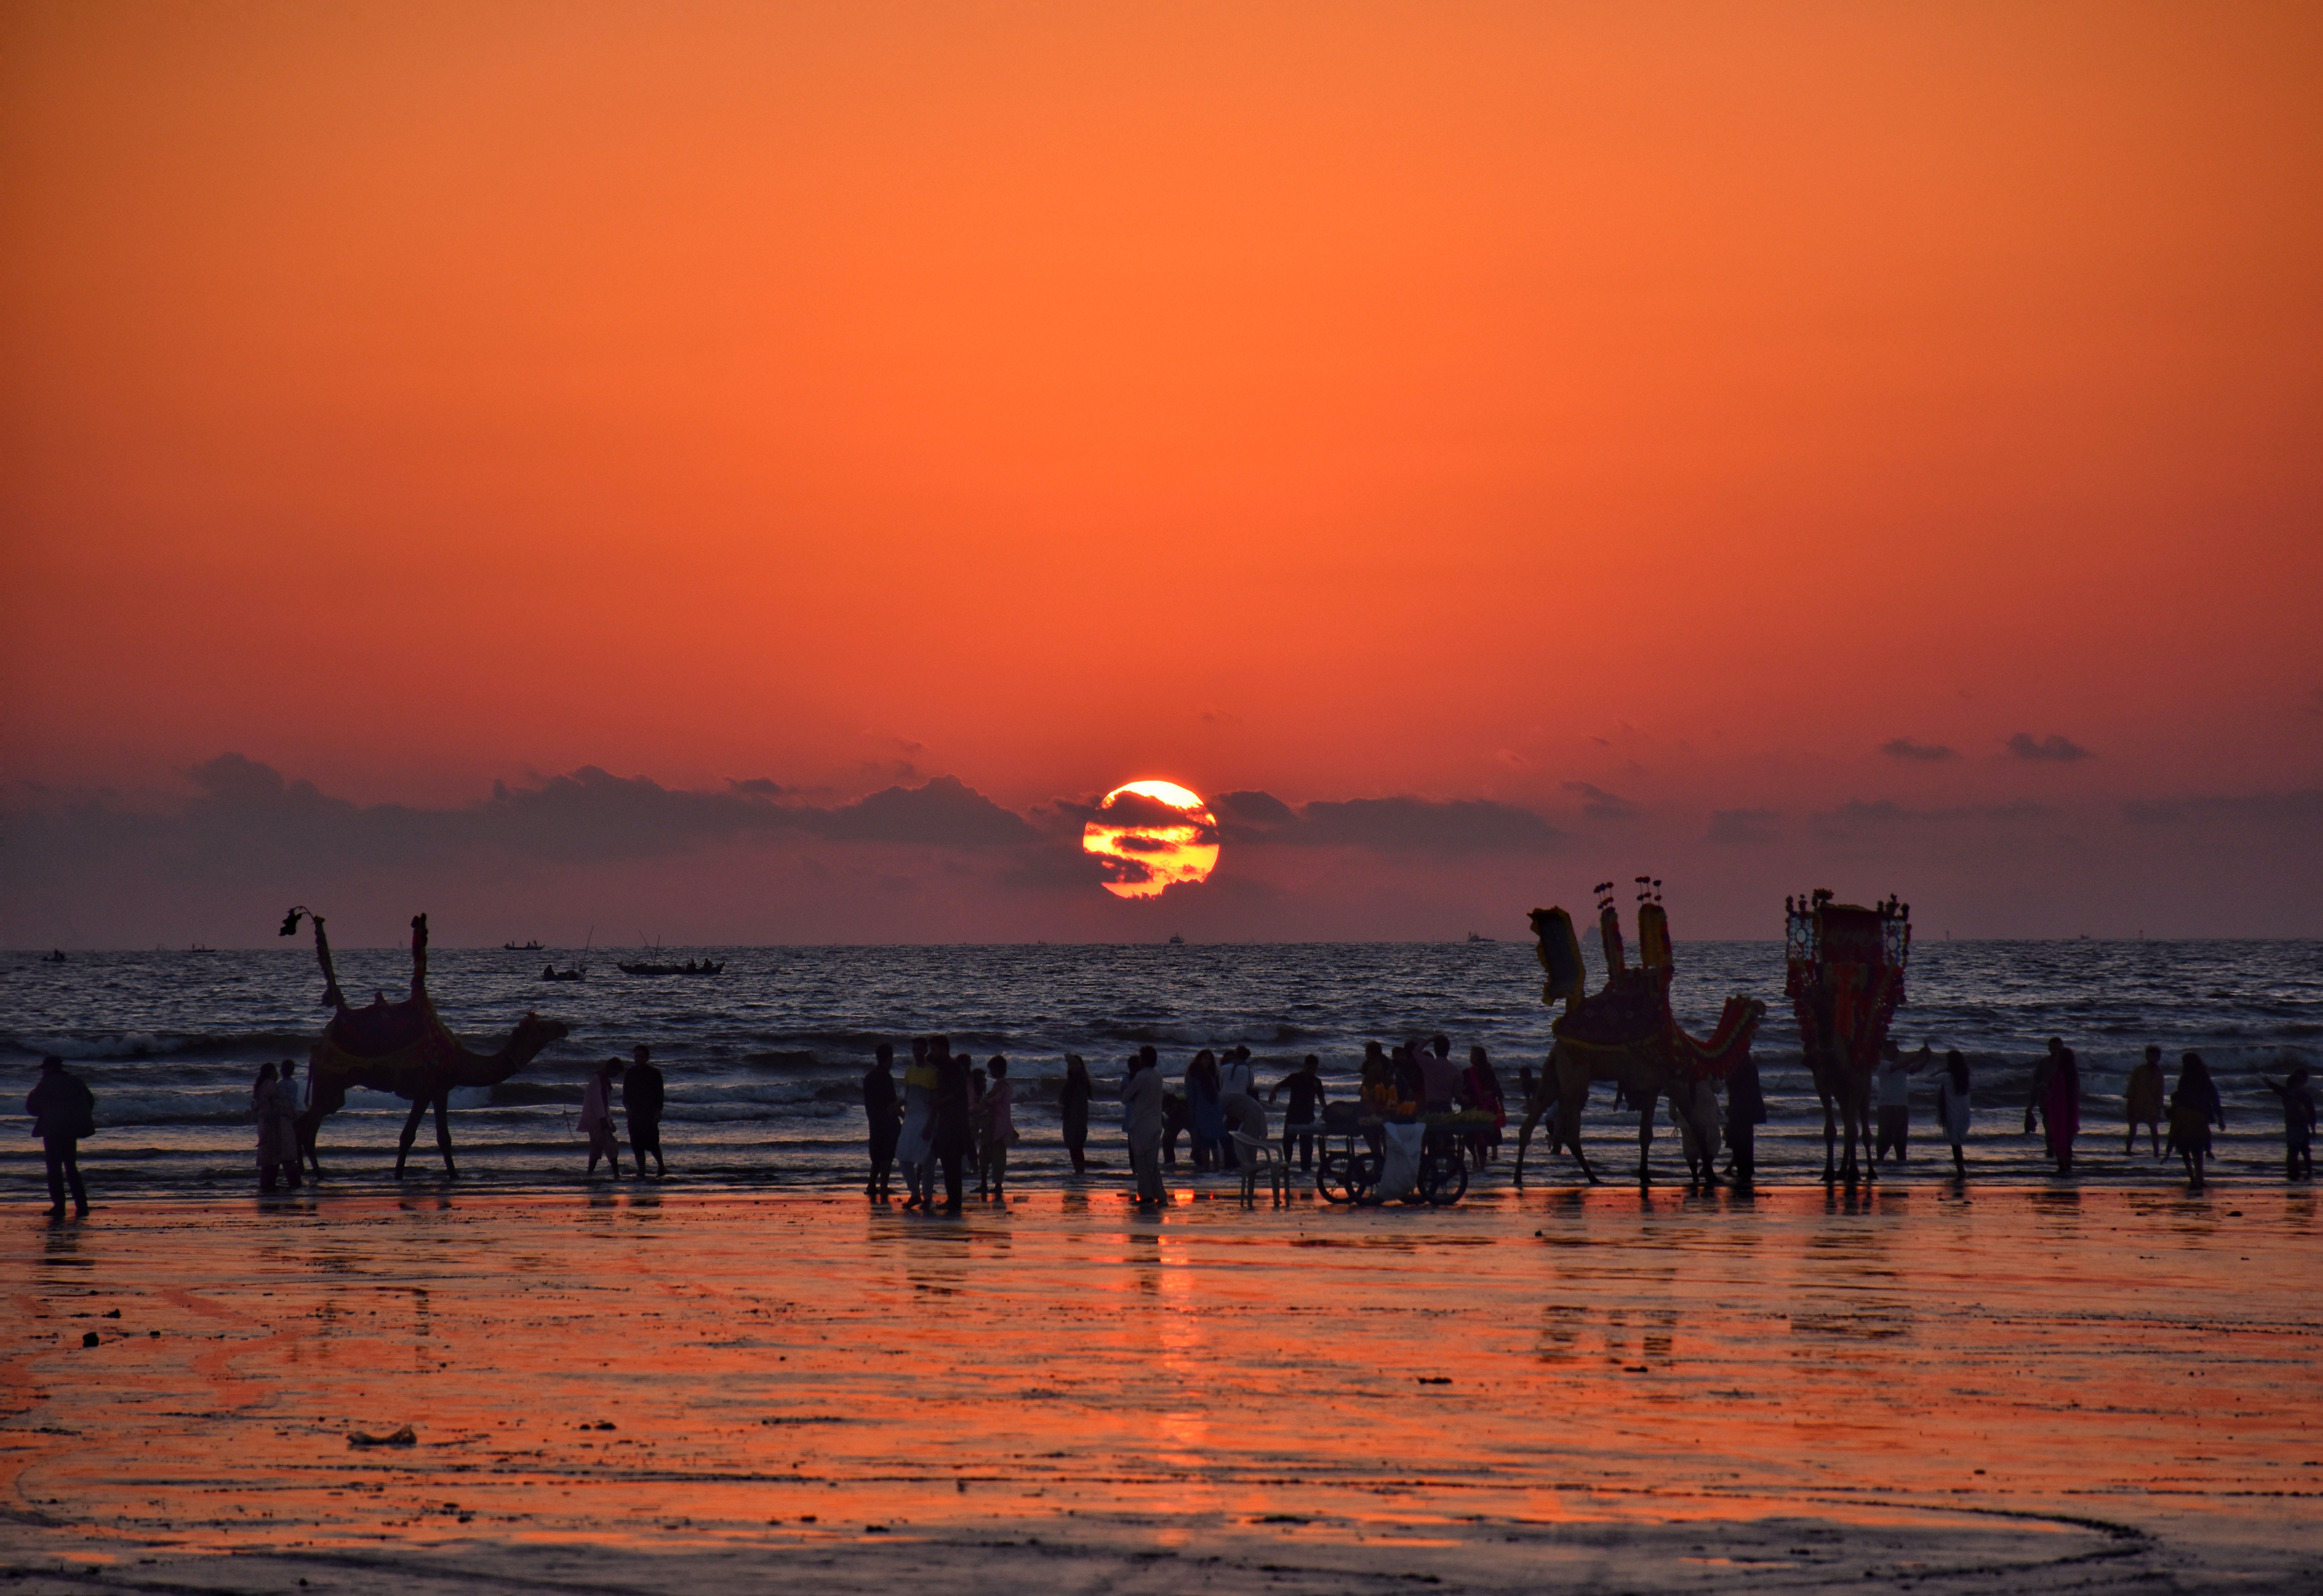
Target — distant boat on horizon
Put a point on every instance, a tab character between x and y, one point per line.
706	968
531	947
198	948
1176	941
56	958
1481	937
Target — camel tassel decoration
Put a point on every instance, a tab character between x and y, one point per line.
401	1047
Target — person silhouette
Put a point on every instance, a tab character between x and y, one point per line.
641	1103
63	1111
882	1118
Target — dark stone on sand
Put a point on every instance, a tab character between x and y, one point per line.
90	1339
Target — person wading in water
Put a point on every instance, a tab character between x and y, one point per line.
884	1120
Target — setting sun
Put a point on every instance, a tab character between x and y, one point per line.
1151	835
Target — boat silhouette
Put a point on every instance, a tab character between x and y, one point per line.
531	947
705	968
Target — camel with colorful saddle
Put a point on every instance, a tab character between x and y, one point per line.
1626	1033
402	1047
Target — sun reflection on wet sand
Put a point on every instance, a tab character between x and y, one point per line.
713	1370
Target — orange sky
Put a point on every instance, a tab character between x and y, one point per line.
1334	401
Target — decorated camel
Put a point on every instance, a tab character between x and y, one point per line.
402	1047
1846	978
1626	1034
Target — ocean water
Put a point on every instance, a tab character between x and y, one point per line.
764	1062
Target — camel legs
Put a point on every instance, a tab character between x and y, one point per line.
443	1132
410	1129
412	1132
1524	1139
1645	1137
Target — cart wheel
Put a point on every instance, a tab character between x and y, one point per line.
1363	1171
1444	1179
1331	1181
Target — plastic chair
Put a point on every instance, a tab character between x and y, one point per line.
1262	1157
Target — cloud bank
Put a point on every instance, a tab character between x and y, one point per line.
758	859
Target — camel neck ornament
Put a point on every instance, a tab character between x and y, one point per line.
401	1047
1626	1033
1846	980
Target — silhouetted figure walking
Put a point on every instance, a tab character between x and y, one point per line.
1141	1119
999	1111
2056	1102
1483	1088
1891	1081
2298	1123
1074	1100
1746	1111
1952	1108
296	1097
915	1144
2146	1098
2193	1108
1305	1086
883	1119
277	1126
63	1111
953	1126
1204	1108
641	1101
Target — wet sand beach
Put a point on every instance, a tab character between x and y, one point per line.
2015	1388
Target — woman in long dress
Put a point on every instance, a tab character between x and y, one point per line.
1484	1089
1074	1099
1204	1108
2057	1101
2194	1107
597	1119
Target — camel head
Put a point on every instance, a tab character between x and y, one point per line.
532	1034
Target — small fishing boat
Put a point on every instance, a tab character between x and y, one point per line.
1480	937
56	958
1176	941
579	972
689	967
531	947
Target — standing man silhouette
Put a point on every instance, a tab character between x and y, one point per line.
63	1111
641	1100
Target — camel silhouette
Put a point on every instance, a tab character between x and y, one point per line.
402	1047
1625	1033
1846	978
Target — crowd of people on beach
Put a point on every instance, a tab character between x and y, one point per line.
949	1115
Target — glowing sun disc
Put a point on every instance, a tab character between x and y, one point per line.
1149	836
